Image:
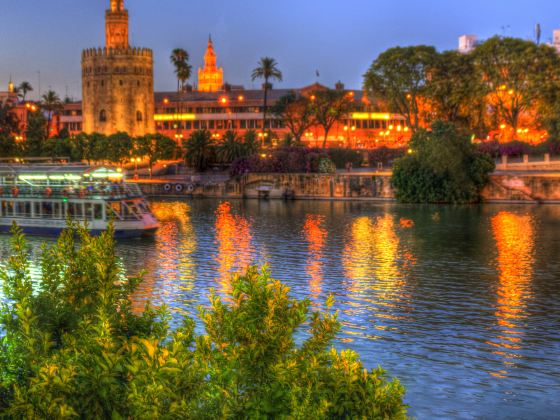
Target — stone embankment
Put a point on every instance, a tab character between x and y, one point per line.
503	187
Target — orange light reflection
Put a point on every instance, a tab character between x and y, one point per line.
316	235
515	241
233	235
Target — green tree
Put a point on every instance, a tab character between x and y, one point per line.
35	134
155	147
8	146
442	167
200	150
329	107
98	147
25	87
73	348
516	75
251	142
397	80
297	113
51	104
9	123
119	148
230	148
58	147
454	89
267	70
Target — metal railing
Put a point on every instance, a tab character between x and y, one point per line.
113	191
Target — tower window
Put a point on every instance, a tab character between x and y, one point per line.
103	116
139	116
138	83
121	82
102	83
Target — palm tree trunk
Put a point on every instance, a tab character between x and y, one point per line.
326	137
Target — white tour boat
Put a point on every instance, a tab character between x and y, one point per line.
41	199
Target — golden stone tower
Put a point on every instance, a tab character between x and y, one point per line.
118	81
210	78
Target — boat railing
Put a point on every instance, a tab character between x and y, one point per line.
110	191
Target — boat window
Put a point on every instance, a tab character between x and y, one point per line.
57	209
37	209
88	210
47	210
10	208
98	212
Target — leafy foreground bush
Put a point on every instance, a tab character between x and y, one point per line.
443	167
73	348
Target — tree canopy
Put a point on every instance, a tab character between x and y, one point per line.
442	167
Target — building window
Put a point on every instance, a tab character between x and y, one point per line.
121	82
103	116
102	83
139	116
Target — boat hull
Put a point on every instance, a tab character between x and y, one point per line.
55	231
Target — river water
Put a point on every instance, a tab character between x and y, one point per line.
461	303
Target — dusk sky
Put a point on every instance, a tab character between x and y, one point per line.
340	38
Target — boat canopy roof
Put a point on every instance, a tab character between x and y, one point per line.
60	172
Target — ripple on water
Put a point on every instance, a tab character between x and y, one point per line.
463	307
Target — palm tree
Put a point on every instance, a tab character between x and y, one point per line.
25	88
51	103
199	150
231	148
267	69
183	70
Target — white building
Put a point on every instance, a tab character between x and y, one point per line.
556	39
467	43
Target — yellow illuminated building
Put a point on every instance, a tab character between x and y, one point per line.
211	77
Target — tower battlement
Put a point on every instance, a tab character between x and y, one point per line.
113	52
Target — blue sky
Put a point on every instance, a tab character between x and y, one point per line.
340	38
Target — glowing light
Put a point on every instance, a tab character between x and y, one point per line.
502	126
371	116
32	177
174	117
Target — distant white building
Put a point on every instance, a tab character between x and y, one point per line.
556	39
467	43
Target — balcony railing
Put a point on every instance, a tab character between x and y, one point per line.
107	192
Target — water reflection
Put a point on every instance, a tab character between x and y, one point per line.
233	237
374	260
515	241
171	268
316	236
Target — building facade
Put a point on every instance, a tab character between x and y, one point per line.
117	82
210	77
241	110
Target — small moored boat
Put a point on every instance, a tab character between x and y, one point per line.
41	199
